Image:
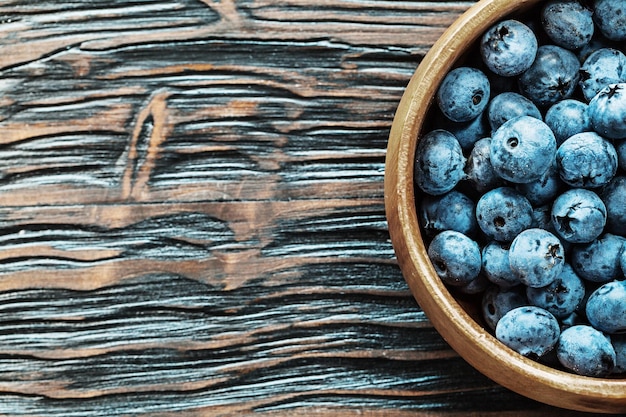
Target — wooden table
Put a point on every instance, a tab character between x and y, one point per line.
191	205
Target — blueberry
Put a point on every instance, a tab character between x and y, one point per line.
509	105
620	148
451	211
439	162
496	266
606	307
607	111
455	257
508	48
614	197
599	261
578	215
478	170
476	286
531	331
567	118
522	149
586	351
562	296
537	257
603	67
544	189
497	301
467	133
463	94
586	160
502	213
568	23
610	18
553	76
619	344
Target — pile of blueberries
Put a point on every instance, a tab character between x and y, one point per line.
521	183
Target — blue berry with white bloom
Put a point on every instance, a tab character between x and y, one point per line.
602	67
606	307
479	172
502	213
508	48
568	23
543	190
522	149
562	296
463	94
451	211
497	301
509	105
455	257
614	197
439	162
599	261
586	351
537	257
553	76
619	344
586	160
531	331
607	111
496	265
567	118
610	17
578	215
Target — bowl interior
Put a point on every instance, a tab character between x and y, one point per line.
456	318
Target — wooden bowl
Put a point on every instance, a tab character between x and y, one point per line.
455	323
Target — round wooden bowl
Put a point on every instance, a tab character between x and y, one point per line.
454	322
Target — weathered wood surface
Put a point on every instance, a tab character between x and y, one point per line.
191	213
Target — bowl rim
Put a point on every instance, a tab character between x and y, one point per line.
468	338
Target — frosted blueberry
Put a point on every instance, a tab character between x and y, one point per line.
553	76
537	257
586	351
467	133
497	301
496	266
578	215
586	160
478	170
620	148
614	197
544	189
509	105
607	111
562	296
619	344
522	149
567	118
568	23
439	162
463	94
531	331
508	48
599	261
451	211
502	213
610	17
606	307
603	67
455	257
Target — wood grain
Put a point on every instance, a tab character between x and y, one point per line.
192	218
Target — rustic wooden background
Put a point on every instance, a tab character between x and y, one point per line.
191	213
